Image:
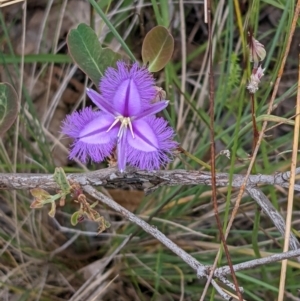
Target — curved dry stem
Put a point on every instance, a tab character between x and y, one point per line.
202	270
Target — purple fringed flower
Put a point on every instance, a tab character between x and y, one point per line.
127	119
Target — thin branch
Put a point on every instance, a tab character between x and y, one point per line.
141	179
111	177
225	270
202	270
273	214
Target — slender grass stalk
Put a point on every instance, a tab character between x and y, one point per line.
112	28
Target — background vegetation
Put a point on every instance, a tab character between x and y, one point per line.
47	259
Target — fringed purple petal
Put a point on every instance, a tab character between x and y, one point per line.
96	152
126	101
128	87
74	123
89	129
152	145
100	102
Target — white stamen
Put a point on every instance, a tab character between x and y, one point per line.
131	129
125	121
114	123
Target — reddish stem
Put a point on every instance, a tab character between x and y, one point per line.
255	130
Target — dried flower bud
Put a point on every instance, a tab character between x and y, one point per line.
226	153
160	94
259	73
257	51
255	79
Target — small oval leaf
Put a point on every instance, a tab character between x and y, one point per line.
74	218
87	53
61	179
40	193
9	107
157	48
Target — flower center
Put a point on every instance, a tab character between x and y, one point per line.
125	122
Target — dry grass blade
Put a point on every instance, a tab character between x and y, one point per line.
16	136
291	192
183	73
9	2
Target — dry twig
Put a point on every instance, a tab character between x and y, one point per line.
150	181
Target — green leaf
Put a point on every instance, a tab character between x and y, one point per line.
9	107
74	218
40	193
61	179
157	48
87	53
